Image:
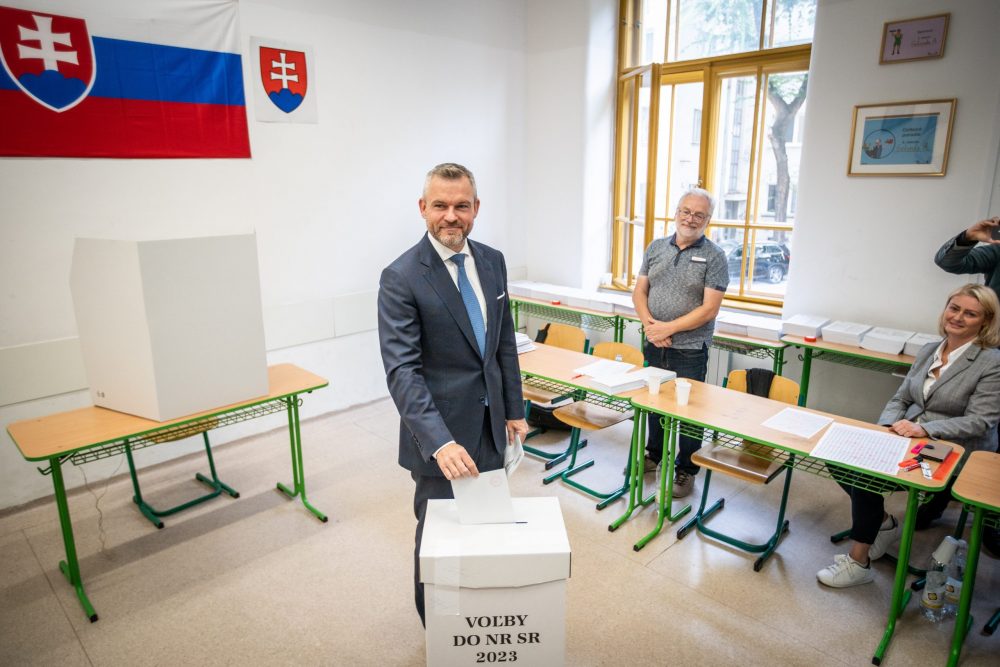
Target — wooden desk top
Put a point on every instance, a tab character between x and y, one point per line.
850	350
65	432
742	415
559	365
979	481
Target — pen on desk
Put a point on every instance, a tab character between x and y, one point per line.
578	375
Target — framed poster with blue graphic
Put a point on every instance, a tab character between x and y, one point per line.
901	138
283	81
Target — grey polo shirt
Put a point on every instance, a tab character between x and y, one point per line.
677	282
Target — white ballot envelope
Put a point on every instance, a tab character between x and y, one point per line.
512	455
483	499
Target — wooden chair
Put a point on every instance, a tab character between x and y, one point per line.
584	416
569	338
751	462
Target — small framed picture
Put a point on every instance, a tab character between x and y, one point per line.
914	39
901	138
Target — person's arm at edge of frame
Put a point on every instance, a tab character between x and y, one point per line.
960	255
510	369
399	344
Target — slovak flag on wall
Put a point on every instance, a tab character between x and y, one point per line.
121	78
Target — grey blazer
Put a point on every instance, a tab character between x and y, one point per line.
437	379
963	406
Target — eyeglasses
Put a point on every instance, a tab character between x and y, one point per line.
687	213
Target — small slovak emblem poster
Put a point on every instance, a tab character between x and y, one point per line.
284	90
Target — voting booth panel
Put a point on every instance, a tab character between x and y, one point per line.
496	592
169	328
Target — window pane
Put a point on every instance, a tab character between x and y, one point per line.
768	263
730	239
678	150
625	156
714	28
733	148
642	148
793	22
653	33
784	111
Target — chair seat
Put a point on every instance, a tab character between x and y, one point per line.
739	462
589	417
538	395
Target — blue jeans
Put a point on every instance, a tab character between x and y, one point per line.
691	364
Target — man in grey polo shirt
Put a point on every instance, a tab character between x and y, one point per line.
677	296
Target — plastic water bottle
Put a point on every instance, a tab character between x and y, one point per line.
932	599
956	572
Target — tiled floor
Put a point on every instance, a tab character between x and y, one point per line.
258	580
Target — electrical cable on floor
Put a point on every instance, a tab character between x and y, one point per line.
97	504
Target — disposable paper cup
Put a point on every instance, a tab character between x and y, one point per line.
683	388
654	385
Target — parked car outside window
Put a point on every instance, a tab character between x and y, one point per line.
770	261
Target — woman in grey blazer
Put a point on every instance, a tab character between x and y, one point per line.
952	392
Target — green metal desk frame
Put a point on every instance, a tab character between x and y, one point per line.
290	403
863	479
568	315
858	360
982	516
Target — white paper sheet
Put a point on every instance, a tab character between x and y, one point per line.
862	448
604	367
483	499
797	422
512	456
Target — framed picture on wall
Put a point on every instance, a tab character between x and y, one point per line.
913	39
901	138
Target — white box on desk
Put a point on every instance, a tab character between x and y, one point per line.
845	333
169	328
884	339
804	325
495	588
917	342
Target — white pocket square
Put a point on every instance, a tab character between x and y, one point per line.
502	295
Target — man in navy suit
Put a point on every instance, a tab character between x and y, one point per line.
447	342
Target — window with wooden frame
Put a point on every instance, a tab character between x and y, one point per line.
712	93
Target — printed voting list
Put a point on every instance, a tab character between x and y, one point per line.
862	448
483	499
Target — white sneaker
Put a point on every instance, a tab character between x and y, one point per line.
886	538
845	572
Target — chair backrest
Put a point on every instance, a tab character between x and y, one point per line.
782	389
566	337
629	353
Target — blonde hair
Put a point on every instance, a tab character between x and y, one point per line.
989	331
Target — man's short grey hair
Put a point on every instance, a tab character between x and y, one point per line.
450	171
699	192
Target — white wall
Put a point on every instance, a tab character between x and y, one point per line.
864	246
401	86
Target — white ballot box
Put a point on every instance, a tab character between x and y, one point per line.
495	592
170	328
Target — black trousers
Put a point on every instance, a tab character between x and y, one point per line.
867	508
437	487
690	364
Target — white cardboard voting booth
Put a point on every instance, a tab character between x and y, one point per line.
169	328
495	592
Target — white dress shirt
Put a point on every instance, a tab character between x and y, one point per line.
941	367
470	270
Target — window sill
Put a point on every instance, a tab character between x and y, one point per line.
727	303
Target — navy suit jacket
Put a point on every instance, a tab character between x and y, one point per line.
436	376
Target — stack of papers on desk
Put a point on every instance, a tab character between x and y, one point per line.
734	323
604	368
622	382
804	325
845	333
917	341
768	328
524	343
862	448
889	341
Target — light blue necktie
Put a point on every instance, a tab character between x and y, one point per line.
471	303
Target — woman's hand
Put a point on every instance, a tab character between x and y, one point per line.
908	429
